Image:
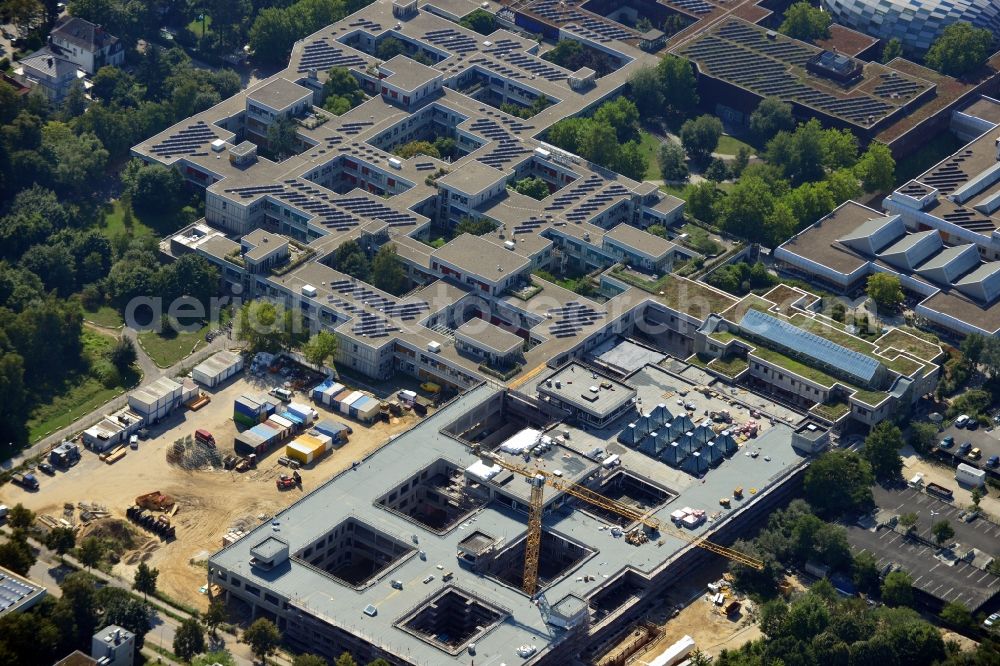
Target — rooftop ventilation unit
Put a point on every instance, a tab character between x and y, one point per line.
309	290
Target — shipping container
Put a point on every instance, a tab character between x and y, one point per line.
331	392
305	412
244	420
340	397
366	409
337	431
296	421
247	406
970	476
345	404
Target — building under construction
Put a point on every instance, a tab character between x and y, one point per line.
424	552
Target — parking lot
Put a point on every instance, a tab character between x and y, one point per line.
210	501
980	533
955	581
986	440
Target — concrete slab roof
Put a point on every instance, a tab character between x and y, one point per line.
279	94
350	496
478	256
581	387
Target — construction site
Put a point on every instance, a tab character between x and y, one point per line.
171	501
504	528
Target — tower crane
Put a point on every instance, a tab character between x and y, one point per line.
538	479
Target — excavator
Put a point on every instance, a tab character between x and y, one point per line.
539	479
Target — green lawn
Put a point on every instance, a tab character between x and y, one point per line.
676	190
79	394
105	316
142	225
165	351
730	145
195	26
649	145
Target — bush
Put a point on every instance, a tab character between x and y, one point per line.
105	372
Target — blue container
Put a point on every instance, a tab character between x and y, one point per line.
333	429
246	407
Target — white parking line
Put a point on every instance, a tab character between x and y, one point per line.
982	578
935	566
971	573
917	580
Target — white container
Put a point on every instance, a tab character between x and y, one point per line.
345	404
970	476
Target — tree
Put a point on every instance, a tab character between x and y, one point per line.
621	114
262	637
145	579
308	660
476	227
20	517
960	49
885	290
977	496
717	170
922	436
670	157
909	520
701	201
957	615
123	354
77	160
897	589
273	32
805	22
770	117
700	137
876	168
678	83
746	210
893	49
282	138
345	659
269	327
536	188
16	554
598	143
341	91
320	347
61	540
189	639
882	451
838	482
390	47
631	161
742	160
229	19
481	21
90	552
646	91
865	572
414	148
153	189
214	615
942	531
800	154
121	608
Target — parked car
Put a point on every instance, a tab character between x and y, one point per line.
992	620
973	424
994	461
282	394
964	448
947	442
961	420
975	454
47	468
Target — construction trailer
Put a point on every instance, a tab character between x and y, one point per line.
217	368
324	393
259	439
337	431
160	398
968	475
308	448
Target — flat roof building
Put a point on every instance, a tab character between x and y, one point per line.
17	593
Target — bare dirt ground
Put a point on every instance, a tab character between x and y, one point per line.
700	619
210	502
